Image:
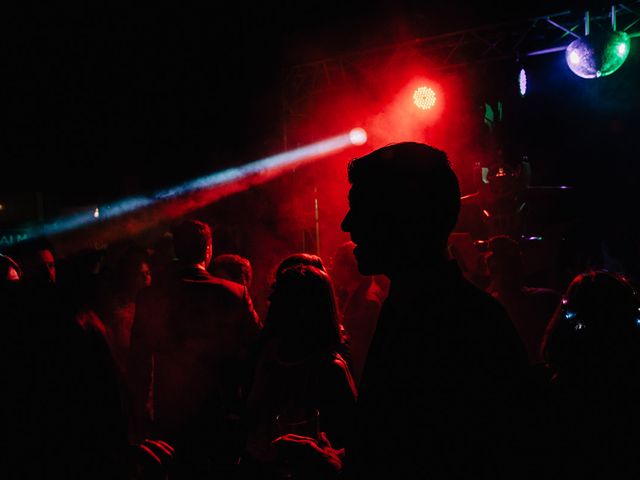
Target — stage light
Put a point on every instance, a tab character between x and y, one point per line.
598	55
201	191
240	178
522	82
358	136
424	98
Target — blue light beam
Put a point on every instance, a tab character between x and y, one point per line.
216	185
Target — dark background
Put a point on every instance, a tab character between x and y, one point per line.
99	104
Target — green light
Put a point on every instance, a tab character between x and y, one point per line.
598	55
615	53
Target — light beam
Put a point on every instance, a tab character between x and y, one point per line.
179	200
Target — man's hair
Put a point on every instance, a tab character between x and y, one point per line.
413	180
190	240
232	267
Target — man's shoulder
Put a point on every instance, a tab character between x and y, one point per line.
202	285
197	279
208	281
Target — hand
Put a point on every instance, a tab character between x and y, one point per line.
309	451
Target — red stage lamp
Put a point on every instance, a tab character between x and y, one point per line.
424	98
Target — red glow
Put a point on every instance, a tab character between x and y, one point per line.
427	95
380	100
402	119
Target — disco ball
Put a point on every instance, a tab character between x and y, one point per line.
598	55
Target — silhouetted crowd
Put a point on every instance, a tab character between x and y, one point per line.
151	362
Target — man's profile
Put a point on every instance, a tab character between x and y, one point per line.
439	392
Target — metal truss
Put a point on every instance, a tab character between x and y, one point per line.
510	40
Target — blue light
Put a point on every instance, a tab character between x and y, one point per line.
217	185
82	219
269	165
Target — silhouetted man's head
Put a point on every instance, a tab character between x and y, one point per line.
192	242
403	203
232	267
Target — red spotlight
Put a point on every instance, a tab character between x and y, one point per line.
424	98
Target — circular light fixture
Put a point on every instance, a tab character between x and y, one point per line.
358	136
424	98
598	55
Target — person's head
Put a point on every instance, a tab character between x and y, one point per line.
302	310
232	267
192	242
596	327
403	204
299	259
36	258
504	261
